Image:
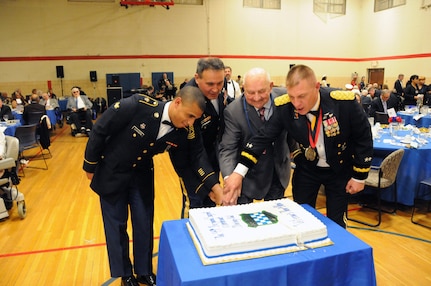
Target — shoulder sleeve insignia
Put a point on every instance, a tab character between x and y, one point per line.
117	105
145	99
281	100
342	95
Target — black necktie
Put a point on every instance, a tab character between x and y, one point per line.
167	122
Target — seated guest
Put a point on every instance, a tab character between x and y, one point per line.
382	103
5	111
80	110
48	102
166	87
19	100
33	107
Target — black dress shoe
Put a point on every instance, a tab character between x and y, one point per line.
129	281
149	280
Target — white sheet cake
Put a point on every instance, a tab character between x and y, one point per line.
230	233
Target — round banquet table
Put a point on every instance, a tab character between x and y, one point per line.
415	166
409	119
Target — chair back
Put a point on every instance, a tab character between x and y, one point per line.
381	117
12	147
26	135
390	164
34	117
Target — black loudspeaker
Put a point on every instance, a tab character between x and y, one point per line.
93	76
60	71
114	94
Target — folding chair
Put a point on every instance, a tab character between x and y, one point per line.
27	137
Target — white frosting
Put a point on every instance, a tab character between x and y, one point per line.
223	235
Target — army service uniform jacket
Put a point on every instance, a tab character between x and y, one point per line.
347	133
123	142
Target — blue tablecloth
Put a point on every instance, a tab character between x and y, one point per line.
348	262
18	116
422	122
415	167
52	117
11	128
62	103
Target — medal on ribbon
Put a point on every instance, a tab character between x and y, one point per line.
310	152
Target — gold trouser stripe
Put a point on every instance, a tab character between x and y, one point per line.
186	203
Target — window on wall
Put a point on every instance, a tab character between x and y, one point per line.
330	6
189	2
264	4
380	5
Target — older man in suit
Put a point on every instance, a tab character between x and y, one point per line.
243	118
383	103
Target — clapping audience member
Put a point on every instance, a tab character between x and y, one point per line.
166	87
334	139
183	84
79	107
243	118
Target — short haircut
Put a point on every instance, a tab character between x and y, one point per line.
192	94
209	64
298	73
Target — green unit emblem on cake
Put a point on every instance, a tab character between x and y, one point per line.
259	218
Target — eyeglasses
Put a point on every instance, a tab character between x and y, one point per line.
75	91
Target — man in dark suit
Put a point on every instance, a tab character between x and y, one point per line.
119	163
209	78
5	110
243	117
33	108
383	103
333	137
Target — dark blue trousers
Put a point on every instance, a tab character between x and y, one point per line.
140	199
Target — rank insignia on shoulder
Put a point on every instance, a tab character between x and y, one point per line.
145	99
343	95
117	105
282	100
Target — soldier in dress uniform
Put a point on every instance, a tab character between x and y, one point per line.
334	143
210	79
119	163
